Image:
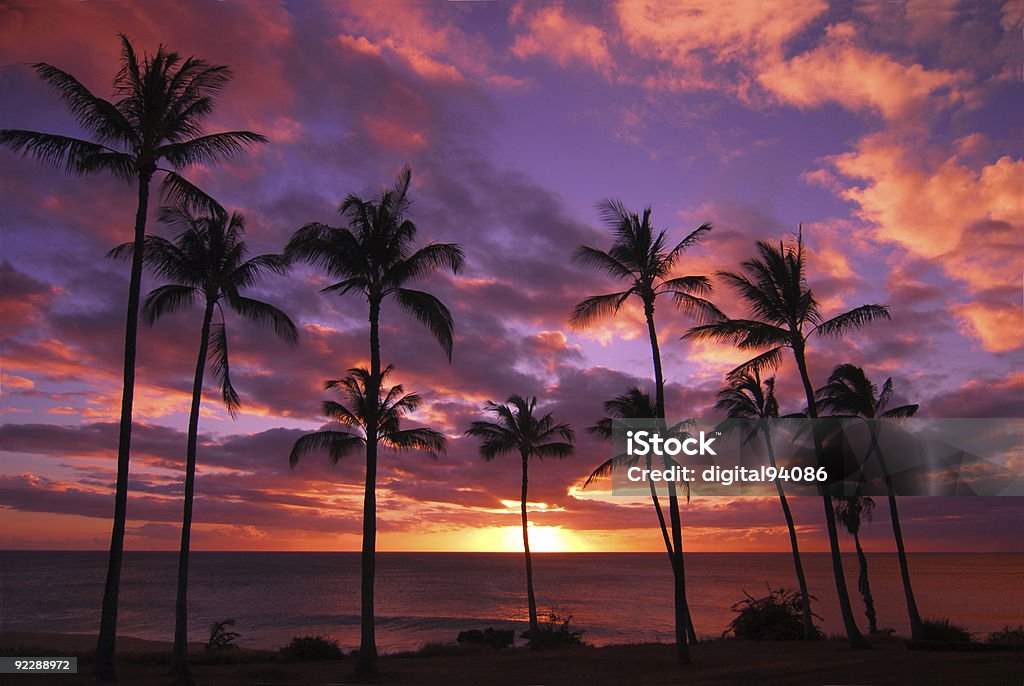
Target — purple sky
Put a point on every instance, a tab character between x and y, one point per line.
890	130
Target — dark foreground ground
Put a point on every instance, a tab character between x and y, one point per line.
144	663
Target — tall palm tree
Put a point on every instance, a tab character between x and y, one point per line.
205	263
642	258
517	430
784	314
356	389
373	256
850	511
634	404
157	116
746	398
849	392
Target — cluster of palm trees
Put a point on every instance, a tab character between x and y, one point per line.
783	313
156	118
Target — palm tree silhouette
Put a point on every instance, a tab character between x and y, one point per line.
642	258
850	511
374	256
206	262
746	398
518	430
356	389
636	404
850	393
157	115
785	314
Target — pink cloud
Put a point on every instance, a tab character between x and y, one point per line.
552	33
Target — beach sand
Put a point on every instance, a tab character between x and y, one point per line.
144	663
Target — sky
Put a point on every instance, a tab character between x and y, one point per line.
890	130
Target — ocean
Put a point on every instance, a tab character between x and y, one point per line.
424	597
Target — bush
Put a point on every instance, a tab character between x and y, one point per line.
307	648
221	638
554	633
1008	636
489	637
942	630
776	617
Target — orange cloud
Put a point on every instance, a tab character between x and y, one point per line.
683	33
550	32
841	71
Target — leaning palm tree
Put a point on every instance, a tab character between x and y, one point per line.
205	263
373	256
517	430
850	512
634	404
850	393
746	398
642	259
157	115
784	314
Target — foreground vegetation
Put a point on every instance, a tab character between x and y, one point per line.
772	663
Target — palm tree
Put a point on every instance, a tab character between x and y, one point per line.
784	314
746	398
157	116
356	389
850	510
518	430
849	392
374	256
634	404
206	262
642	258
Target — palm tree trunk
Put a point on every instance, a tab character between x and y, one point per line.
530	598
805	599
865	587
853	634
367	662
897	533
684	628
179	656
105	669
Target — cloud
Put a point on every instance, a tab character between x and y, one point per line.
840	70
552	33
968	220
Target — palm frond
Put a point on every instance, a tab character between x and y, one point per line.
179	191
431	312
427	440
338	444
209	149
264	314
168	299
222	367
854	319
596	307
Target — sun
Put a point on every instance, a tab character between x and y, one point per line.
543	539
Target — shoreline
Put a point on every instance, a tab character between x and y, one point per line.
714	662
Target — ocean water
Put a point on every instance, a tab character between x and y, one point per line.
422	597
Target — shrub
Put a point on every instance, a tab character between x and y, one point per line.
1008	636
489	637
554	633
943	630
306	648
776	617
221	638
